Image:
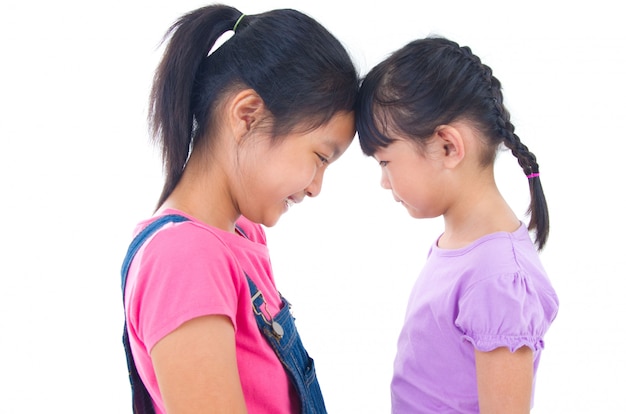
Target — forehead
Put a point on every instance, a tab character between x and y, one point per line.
395	144
398	147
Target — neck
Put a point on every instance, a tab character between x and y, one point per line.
203	192
480	211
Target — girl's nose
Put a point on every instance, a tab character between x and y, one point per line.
315	187
384	181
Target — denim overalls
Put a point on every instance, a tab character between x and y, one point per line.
279	331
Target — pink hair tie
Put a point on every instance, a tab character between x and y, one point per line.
533	175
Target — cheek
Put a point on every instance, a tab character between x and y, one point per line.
397	178
302	176
288	178
404	183
299	168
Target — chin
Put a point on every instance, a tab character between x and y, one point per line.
270	221
416	214
262	216
422	215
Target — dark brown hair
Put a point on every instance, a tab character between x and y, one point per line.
301	71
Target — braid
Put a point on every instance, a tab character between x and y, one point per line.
537	209
525	158
505	132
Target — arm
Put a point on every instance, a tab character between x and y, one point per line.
196	368
504	380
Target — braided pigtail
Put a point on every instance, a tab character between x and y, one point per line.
495	118
538	207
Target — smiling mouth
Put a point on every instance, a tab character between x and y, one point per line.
289	202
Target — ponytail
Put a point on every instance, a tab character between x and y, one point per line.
170	113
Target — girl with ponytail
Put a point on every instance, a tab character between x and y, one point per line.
246	132
432	115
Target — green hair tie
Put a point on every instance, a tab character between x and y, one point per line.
237	22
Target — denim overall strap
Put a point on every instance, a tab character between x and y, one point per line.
281	333
142	402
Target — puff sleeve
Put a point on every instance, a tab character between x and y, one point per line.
507	310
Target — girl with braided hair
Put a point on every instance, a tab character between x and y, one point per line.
432	116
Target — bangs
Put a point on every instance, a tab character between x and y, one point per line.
372	118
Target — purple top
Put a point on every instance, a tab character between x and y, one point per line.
492	293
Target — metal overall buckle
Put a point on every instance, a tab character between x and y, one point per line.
277	329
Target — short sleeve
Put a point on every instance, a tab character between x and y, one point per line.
182	273
506	311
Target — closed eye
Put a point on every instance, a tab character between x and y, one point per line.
323	159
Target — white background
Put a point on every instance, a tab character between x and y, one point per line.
77	172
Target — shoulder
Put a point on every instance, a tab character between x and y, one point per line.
183	271
509	259
185	260
188	244
498	253
188	235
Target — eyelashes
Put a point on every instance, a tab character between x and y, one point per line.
323	159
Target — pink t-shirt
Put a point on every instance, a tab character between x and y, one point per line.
187	270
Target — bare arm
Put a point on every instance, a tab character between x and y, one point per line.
196	368
504	380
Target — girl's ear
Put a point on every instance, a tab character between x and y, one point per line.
244	111
449	140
